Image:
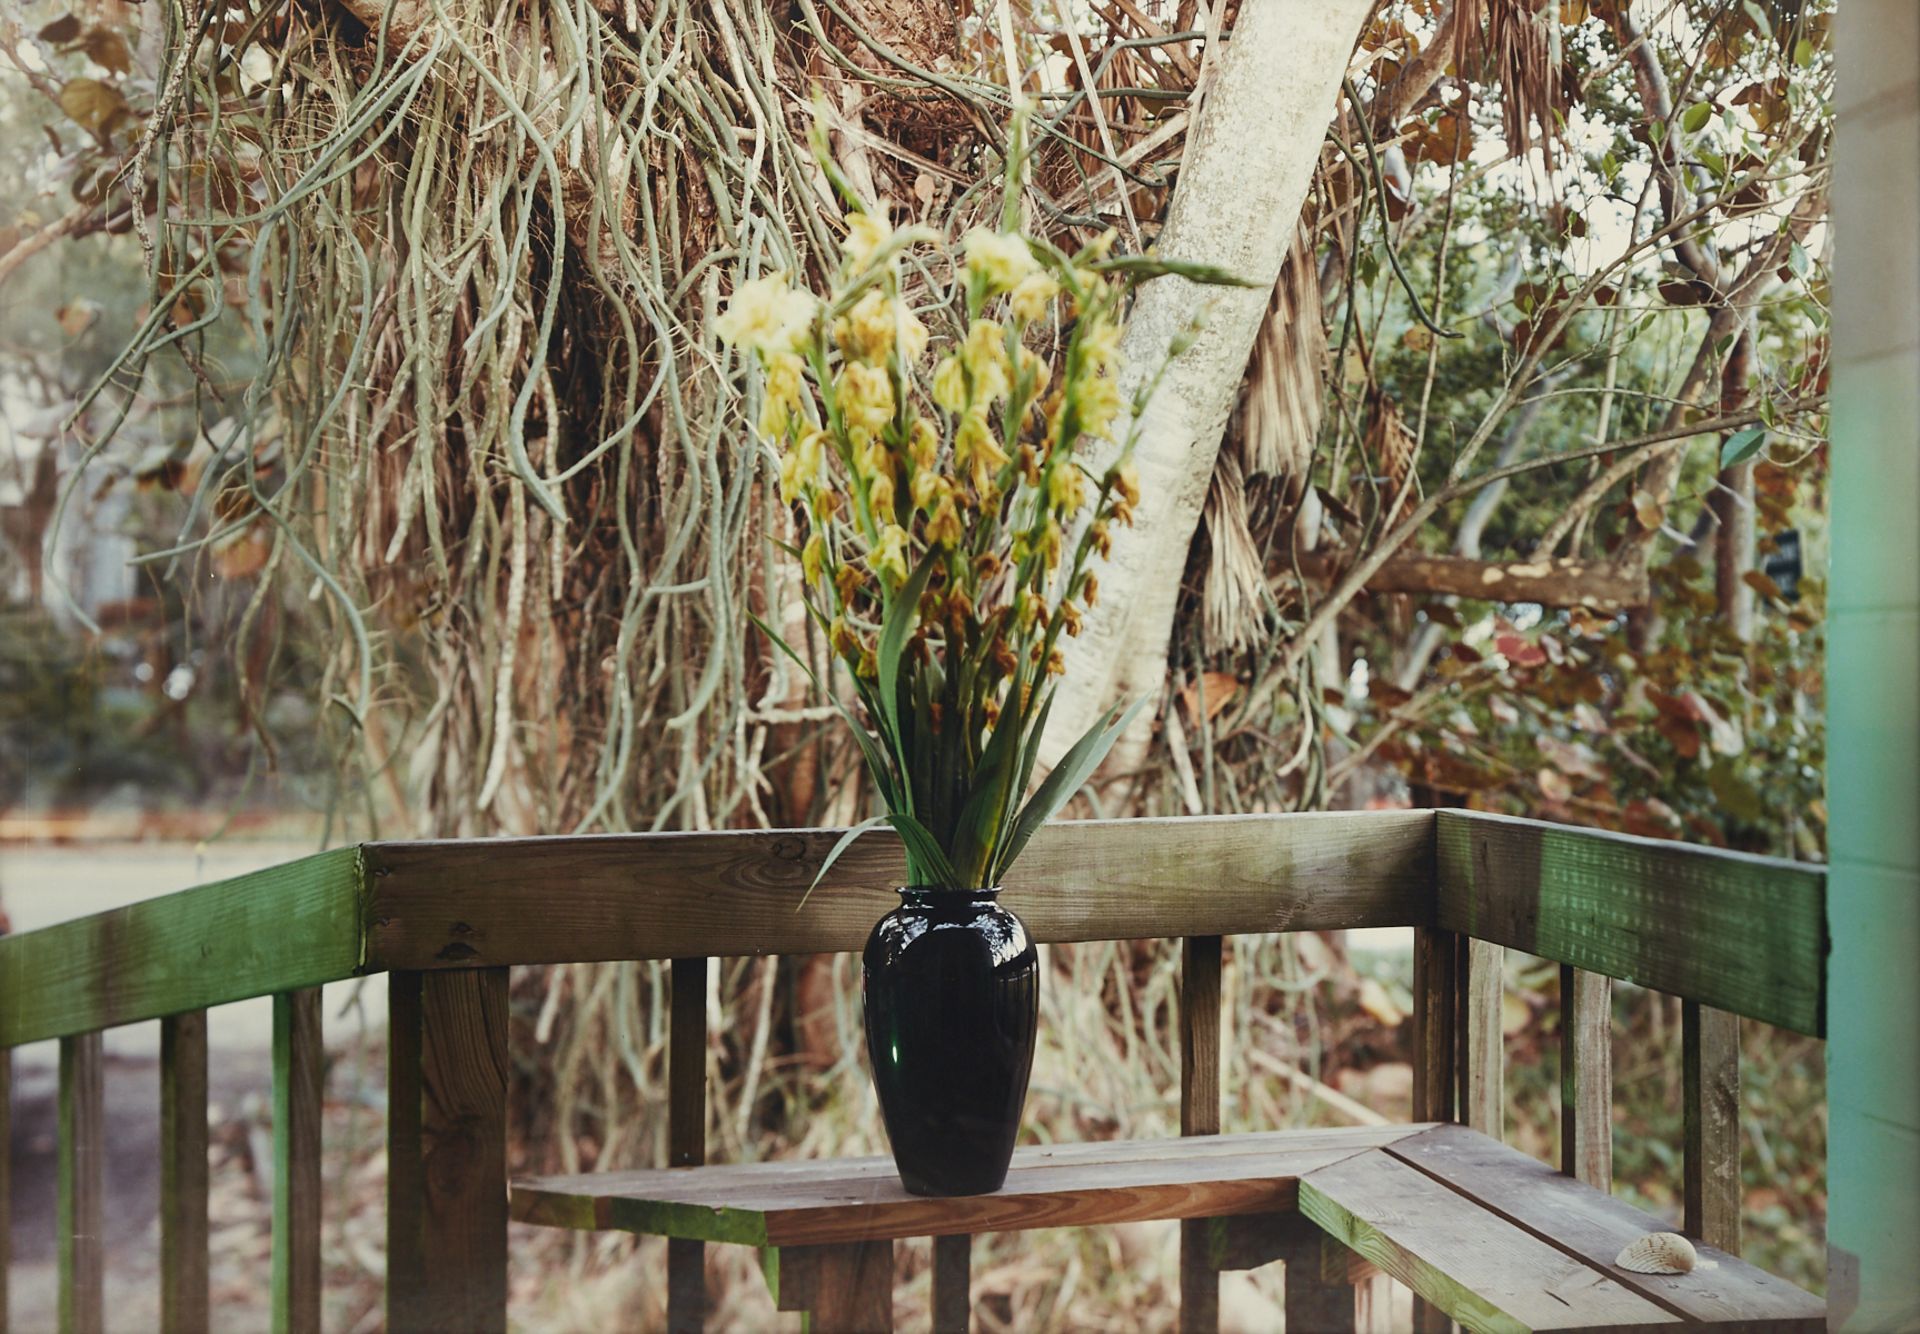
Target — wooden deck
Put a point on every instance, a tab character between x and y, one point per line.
1485	1235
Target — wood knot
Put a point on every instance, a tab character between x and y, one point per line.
457	951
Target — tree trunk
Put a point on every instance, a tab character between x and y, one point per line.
1248	163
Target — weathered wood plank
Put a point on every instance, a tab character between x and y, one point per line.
184	1295
845	1287
1472	1264
665	896
447	1152
1199	1115
6	1179
289	926
952	1284
687	1134
1710	1059
298	1059
1593	1226
1483	1098
1434	988
1071	1185
81	1185
1741	933
1586	1077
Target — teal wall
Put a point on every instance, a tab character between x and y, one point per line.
1873	677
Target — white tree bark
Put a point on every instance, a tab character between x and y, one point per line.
1244	176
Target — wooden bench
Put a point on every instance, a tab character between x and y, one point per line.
1484	1234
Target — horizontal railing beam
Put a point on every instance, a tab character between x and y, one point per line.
664	896
289	926
1729	930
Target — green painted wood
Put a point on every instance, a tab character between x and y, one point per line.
1593	1226
298	1057
184	1293
6	1178
1470	1263
1740	933
289	926
81	1169
739	892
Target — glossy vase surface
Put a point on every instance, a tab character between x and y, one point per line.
952	985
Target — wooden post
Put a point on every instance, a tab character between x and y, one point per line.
298	1062
952	1300
845	1289
183	1173
1710	1055
81	1183
447	1151
1483	1092
1199	1115
1586	1077
687	1135
1435	988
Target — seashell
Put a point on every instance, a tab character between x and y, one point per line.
1658	1253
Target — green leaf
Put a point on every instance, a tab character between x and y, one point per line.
901	617
1695	118
840	845
924	854
1067	778
1742	445
1797	262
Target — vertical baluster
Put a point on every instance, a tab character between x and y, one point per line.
297	1063
6	1177
183	1173
687	1135
1482	1098
81	1183
952	1298
1710	1056
447	1151
1199	1115
1586	1076
1435	954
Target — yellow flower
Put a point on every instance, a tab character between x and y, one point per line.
1100	340
1067	488
923	444
950	383
880	495
865	396
985	356
800	466
766	316
813	558
1001	260
1070	619
1032	295
1047	544
1126	480
925	486
848	581
944	528
889	554
876	326
1037	367
1099	405
784	393
866	234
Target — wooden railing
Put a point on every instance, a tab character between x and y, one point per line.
1731	935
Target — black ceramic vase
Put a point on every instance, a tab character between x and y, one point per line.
952	1000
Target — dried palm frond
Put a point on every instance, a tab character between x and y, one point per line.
1234	594
1392	448
1284	392
1523	42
